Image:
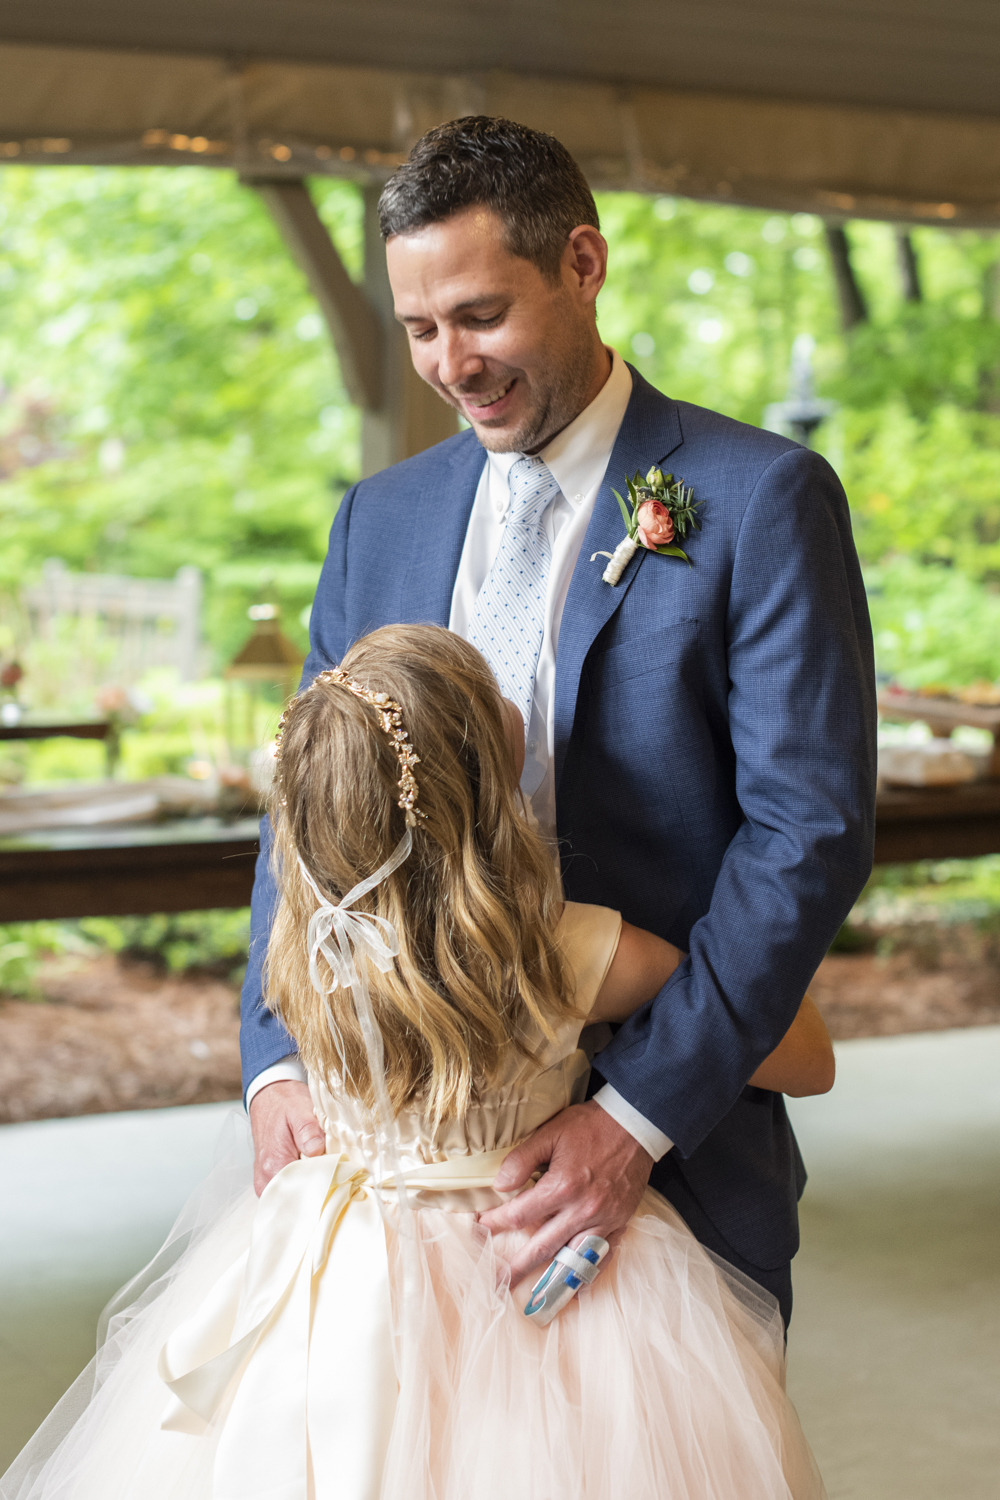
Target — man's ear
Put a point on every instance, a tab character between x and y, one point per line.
585	261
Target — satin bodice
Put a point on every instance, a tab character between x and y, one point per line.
529	1091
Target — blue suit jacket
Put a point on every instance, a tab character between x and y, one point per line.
715	763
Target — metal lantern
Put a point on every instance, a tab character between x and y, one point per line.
261	678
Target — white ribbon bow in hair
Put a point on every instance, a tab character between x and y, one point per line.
339	933
336	931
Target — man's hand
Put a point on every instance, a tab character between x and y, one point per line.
596	1175
284	1128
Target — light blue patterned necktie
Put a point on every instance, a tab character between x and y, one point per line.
508	622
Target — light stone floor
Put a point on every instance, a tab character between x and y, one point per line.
894	1344
83	1205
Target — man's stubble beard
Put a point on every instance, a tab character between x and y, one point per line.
559	402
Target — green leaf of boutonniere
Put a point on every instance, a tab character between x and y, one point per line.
624	510
674	552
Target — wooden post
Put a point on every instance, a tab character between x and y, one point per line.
353	324
400	414
412	416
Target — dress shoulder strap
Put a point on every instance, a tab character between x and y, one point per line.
588	937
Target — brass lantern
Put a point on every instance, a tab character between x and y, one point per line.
262	675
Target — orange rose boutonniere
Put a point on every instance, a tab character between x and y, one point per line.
662	509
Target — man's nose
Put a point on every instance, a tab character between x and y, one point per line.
458	359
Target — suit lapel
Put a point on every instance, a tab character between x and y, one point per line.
649	433
441	519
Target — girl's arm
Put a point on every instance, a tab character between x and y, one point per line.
801	1064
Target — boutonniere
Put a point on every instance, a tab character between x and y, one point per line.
662	510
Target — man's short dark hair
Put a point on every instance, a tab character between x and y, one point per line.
526	177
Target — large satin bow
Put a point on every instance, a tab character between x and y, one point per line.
291	1350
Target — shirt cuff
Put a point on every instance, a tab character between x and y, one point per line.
644	1131
287	1070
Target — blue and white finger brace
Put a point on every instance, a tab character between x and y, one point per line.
570	1270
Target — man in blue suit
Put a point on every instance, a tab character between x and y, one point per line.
700	739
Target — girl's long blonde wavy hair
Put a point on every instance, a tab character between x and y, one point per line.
474	905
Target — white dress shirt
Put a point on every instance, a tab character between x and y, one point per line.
578	459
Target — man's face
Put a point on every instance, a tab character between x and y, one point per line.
517	353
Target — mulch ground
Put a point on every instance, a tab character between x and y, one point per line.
110	1035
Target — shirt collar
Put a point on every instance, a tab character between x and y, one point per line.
578	456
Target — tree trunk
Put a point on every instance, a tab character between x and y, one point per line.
853	308
909	269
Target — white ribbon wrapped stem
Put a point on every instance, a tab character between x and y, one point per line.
623	555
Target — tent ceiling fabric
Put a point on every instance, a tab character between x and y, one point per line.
881	108
912	54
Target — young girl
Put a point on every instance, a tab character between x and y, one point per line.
353	1335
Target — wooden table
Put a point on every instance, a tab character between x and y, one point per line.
121	870
199	863
942	715
953	822
35	727
38	727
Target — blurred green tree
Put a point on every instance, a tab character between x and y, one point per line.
168	391
169	394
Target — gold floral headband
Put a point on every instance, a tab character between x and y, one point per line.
390	717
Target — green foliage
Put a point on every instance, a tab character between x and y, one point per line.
181	941
944	350
960	889
706	300
169	396
901	904
933	624
215	942
24	944
169	390
927	487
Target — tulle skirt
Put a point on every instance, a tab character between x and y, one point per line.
662	1381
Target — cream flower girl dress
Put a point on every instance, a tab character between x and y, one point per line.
340	1340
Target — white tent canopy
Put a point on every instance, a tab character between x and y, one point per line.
887	108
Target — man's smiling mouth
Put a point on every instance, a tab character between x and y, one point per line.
480	400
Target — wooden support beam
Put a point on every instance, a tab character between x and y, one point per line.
400	414
413	416
354	325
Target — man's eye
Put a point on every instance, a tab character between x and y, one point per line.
487	322
422	334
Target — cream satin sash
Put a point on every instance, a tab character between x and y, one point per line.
304	1417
